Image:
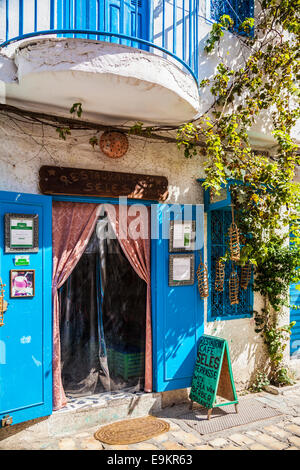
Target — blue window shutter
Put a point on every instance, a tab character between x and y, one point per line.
129	17
237	9
219	307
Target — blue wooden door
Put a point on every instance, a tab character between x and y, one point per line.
295	316
26	336
129	17
177	312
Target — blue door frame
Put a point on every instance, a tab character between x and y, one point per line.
26	336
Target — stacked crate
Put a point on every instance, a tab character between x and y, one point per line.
125	363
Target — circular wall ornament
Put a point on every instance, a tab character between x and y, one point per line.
114	144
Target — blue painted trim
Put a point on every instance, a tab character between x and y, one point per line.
99	33
210	318
102	200
219	204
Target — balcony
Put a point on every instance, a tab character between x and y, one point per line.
122	59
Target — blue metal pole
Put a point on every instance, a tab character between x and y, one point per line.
196	42
136	18
51	14
21	8
163	25
190	32
121	18
35	15
183	30
174	25
7	20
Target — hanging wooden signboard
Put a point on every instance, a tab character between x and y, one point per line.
81	182
213	375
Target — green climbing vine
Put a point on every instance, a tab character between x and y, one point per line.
263	192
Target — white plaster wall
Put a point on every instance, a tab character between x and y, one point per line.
24	149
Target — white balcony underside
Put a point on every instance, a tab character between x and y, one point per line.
114	83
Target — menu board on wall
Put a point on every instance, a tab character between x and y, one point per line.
21	233
213	374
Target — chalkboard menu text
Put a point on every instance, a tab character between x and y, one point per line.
213	374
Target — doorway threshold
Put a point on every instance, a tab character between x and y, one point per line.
99	400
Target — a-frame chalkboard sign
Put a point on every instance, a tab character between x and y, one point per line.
213	375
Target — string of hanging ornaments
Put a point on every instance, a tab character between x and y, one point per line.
220	276
202	276
234	288
234	239
246	275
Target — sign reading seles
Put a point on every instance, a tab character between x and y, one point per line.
213	373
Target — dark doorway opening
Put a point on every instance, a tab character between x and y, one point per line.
102	320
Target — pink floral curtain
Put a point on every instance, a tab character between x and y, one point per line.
133	235
73	224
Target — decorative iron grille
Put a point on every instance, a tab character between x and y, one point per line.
219	303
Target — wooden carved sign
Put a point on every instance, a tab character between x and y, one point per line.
213	374
80	182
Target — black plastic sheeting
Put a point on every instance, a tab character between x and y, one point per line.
102	321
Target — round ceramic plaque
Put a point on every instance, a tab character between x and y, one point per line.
114	144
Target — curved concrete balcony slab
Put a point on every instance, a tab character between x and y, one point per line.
115	83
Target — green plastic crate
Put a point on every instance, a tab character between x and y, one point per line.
126	364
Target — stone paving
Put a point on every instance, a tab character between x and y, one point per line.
278	433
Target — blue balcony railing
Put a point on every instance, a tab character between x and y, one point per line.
163	27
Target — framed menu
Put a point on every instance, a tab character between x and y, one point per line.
182	235
21	233
181	269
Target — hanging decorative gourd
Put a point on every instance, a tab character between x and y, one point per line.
245	275
202	276
220	276
3	304
234	239
234	288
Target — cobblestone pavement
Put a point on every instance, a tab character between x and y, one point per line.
278	433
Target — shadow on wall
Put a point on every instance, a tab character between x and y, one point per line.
247	351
